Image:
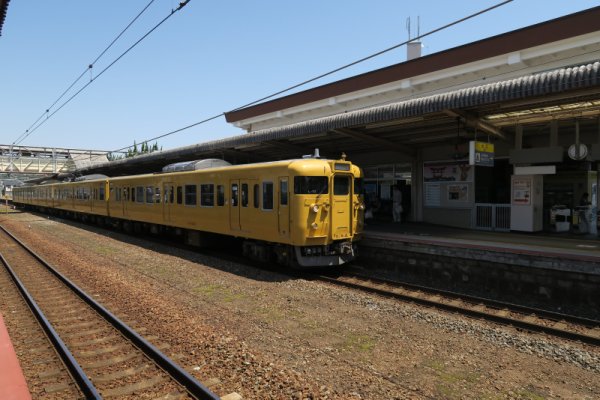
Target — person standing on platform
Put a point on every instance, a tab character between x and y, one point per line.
397	204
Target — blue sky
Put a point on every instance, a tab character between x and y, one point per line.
208	58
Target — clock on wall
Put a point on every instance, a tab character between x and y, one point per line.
583	151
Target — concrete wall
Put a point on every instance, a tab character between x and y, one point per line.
566	285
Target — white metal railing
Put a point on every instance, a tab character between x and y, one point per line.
492	217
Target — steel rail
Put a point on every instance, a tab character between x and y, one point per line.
490	303
194	387
81	379
518	323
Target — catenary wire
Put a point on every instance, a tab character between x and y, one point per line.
85	71
48	116
322	75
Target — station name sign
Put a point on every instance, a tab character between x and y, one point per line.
481	154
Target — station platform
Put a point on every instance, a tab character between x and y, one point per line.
12	382
557	271
563	245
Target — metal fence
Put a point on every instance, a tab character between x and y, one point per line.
492	217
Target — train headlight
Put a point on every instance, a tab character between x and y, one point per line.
314	225
314	208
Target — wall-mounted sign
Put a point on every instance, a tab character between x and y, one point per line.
521	193
481	154
448	172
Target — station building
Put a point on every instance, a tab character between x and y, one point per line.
530	97
499	134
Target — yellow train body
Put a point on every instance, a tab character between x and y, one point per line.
308	210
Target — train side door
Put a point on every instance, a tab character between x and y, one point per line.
167	200
234	204
283	207
341	216
124	199
248	212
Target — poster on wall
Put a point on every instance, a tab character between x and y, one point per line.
432	195
458	192
521	191
449	172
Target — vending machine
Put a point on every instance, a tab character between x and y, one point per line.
527	203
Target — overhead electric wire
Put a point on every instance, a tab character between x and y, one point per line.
48	116
83	73
322	75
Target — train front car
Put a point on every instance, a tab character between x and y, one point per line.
327	211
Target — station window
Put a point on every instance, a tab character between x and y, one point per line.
310	185
179	195
358	186
341	185
267	195
220	195
245	195
283	192
207	195
256	195
190	195
234	195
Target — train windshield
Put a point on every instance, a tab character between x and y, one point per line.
310	185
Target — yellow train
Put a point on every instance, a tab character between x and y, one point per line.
306	212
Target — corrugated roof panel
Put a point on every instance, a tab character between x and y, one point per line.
547	83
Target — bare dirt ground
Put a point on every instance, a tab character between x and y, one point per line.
267	336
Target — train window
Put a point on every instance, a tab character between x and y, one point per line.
139	194
149	194
244	195
190	195
310	185
341	185
283	192
132	195
267	197
117	194
207	195
157	195
179	195
256	195
234	195
171	194
220	195
101	193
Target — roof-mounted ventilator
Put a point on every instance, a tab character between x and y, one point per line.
316	155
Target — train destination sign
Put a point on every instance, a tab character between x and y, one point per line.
481	153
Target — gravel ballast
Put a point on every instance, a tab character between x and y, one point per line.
265	335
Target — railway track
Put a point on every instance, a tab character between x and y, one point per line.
522	317
102	356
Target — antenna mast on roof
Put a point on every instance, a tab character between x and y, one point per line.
413	47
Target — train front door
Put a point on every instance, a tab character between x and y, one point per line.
234	205
341	216
283	208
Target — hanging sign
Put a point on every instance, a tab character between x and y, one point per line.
481	154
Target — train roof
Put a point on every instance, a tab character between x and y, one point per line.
304	162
